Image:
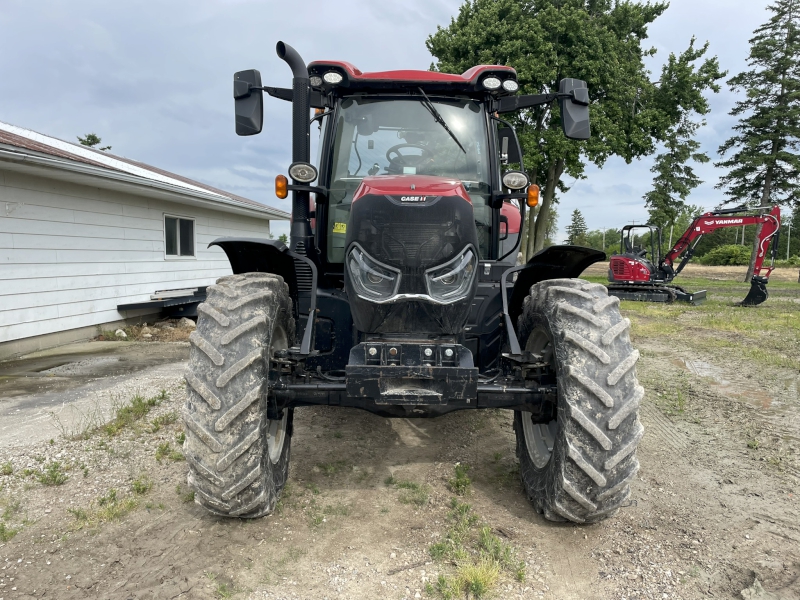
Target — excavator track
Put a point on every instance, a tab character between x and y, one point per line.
650	292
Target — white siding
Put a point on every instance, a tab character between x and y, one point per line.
69	254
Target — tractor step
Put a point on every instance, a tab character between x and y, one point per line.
656	293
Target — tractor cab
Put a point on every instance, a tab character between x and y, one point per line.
409	132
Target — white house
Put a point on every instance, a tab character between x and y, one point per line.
83	231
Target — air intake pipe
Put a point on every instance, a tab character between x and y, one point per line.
301	142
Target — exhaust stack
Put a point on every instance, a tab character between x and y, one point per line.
301	142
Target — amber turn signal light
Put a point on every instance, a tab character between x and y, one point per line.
533	195
282	187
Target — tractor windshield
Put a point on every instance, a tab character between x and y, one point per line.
381	136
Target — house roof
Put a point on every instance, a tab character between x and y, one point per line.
72	157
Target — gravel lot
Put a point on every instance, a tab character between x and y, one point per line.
714	507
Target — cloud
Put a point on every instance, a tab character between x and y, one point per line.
153	79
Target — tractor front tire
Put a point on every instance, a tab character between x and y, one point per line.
238	459
578	467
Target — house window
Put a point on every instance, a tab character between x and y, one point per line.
178	237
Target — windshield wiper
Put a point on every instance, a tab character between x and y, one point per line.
438	118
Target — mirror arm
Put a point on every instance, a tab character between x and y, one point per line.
314	189
512	103
281	93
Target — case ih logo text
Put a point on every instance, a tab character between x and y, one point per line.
413	198
725	222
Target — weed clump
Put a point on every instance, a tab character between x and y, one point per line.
7	532
129	414
141	485
165	451
411	493
6	468
480	557
459	485
53	474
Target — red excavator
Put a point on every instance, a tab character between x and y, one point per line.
634	277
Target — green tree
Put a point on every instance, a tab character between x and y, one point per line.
92	140
606	240
599	41
283	238
764	167
674	176
576	230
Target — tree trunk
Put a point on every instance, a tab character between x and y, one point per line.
764	202
540	227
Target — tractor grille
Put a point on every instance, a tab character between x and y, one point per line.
418	242
302	270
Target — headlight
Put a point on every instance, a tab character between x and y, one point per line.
315	80
515	180
491	83
452	281
510	85
332	77
302	172
371	279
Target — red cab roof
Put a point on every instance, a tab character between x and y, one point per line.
355	78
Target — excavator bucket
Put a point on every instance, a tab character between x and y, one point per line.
758	292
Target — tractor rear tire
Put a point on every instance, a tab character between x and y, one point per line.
578	467
238	459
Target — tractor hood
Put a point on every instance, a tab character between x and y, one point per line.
411	255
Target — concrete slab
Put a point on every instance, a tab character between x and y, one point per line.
68	389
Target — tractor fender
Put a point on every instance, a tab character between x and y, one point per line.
255	255
555	262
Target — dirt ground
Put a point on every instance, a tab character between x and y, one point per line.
714	507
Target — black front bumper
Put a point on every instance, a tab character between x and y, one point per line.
411	373
411	383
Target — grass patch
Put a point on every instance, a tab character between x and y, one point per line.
410	492
481	559
11	509
141	485
6	468
186	495
163	420
459	485
53	474
134	411
104	509
165	450
332	468
7	532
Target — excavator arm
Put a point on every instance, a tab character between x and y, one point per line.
711	221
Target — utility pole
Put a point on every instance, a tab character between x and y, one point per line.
789	240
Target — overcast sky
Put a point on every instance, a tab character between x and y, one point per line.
153	79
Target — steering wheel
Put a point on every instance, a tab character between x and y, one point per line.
397	160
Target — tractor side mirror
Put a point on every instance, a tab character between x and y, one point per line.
503	227
575	109
248	99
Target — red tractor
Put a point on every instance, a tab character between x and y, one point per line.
635	277
399	293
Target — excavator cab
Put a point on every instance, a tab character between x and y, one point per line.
628	242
